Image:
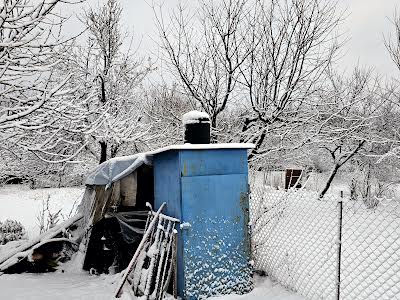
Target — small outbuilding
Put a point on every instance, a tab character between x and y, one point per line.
203	185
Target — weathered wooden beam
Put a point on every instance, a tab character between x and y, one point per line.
21	251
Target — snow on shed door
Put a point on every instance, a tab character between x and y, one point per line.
216	245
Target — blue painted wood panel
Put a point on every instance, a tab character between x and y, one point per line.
209	190
167	188
213	162
216	246
167	183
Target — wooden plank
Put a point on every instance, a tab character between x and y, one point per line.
129	269
20	252
175	269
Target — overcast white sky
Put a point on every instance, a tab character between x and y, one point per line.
367	22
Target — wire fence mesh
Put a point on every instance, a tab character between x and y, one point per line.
329	248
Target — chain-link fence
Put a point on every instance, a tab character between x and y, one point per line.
326	248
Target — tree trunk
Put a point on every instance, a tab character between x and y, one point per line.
257	145
213	137
114	150
338	164
245	127
103	152
330	179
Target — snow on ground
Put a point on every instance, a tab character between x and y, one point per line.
65	286
23	204
59	286
264	289
296	237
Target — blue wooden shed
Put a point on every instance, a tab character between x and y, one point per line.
206	187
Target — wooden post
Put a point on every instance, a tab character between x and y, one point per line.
118	292
339	250
175	267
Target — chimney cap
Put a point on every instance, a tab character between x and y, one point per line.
195	116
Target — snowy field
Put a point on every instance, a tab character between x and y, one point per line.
20	203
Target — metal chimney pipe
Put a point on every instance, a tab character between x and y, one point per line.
196	127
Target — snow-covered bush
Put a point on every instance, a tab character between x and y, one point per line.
11	230
368	187
47	217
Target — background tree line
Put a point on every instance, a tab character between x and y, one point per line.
265	72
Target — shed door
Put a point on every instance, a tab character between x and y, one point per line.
216	245
292	177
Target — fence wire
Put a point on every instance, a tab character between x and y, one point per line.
322	249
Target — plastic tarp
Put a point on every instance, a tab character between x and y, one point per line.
116	168
119	167
132	224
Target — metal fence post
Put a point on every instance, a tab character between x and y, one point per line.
339	241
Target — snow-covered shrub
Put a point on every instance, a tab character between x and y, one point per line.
353	189
11	230
367	187
47	217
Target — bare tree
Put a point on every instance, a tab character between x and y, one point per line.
393	44
269	57
389	123
298	42
206	49
110	76
165	106
344	125
38	116
30	42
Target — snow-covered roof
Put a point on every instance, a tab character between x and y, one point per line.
116	168
203	147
